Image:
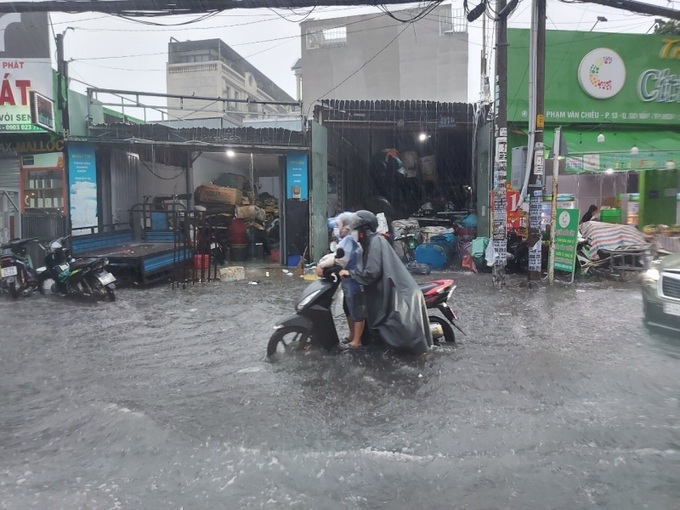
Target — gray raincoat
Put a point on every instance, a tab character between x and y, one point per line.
395	306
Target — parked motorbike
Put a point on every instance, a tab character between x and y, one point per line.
406	245
75	277
312	324
17	275
518	253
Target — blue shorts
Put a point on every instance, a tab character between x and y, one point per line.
354	306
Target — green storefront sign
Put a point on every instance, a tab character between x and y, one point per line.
599	78
566	234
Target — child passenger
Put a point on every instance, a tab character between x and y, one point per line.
353	304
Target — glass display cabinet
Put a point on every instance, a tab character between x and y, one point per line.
43	185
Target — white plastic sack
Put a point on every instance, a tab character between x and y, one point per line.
490	254
382	223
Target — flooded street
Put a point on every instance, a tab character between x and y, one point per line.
557	398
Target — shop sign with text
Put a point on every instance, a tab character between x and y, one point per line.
566	235
599	78
621	161
25	70
19	79
296	176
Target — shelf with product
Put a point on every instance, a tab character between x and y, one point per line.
43	190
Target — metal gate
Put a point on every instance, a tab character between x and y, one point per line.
10	224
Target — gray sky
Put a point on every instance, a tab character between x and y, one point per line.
111	52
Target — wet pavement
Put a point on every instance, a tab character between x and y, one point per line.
558	398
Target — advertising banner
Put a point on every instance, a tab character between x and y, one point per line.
25	69
19	79
599	78
297	176
566	235
82	180
620	161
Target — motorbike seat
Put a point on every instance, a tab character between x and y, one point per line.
16	244
424	287
83	263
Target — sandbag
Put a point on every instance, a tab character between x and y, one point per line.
250	212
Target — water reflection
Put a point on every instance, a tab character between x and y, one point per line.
164	399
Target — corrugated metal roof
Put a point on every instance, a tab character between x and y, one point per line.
395	110
199	137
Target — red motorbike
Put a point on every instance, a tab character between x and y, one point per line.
437	295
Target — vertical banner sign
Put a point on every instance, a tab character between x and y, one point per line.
535	251
513	212
566	234
536	208
500	202
82	180
297	186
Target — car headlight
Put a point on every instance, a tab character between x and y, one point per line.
652	274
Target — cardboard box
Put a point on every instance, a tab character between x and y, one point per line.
212	194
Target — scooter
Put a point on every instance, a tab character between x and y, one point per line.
16	268
312	324
75	277
437	295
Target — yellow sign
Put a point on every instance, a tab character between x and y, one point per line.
540	122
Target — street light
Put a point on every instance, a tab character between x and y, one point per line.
599	18
600	138
670	164
634	151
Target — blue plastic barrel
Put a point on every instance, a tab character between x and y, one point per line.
431	254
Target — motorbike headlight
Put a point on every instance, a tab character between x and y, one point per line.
306	300
652	274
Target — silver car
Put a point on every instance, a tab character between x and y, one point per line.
661	294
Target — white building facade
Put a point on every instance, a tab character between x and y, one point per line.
212	69
371	57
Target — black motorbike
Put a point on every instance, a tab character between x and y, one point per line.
312	324
17	275
518	253
71	277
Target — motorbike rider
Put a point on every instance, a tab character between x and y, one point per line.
395	308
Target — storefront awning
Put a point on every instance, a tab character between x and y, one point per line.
581	142
656	150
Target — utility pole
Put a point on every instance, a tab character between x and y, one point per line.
536	176
62	84
500	167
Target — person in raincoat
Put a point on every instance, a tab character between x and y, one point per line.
395	307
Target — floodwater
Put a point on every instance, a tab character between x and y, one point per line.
557	398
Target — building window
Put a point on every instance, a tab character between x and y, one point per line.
330	37
452	21
203	57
